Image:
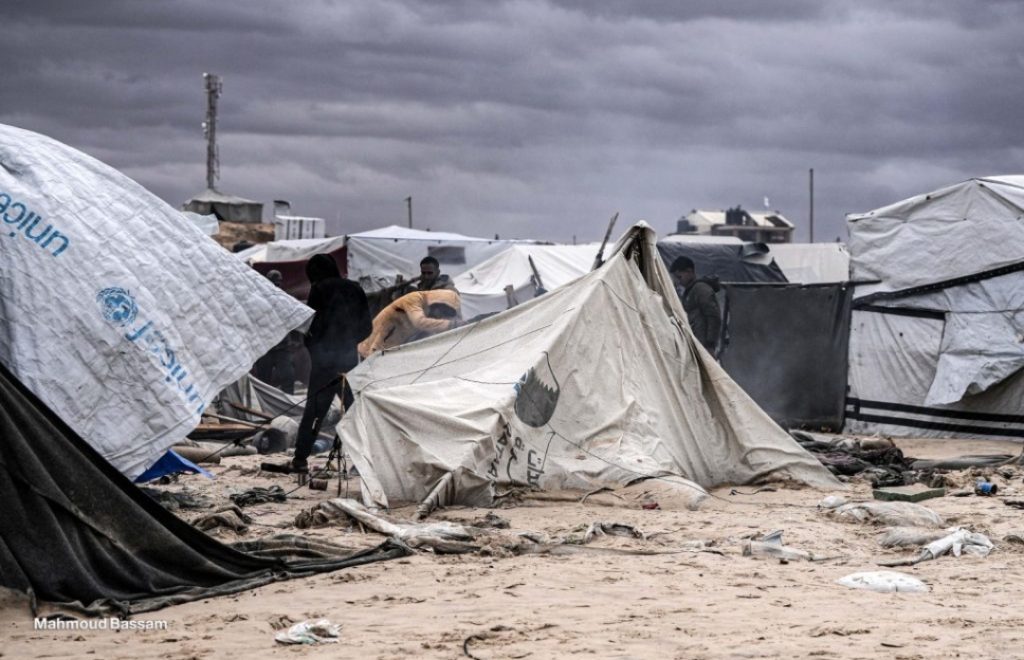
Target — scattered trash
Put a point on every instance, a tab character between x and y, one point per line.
832	502
650	506
230	517
884	582
959	541
173	501
491	521
259	495
1016	504
1017	539
901	537
894	514
914	493
770	545
318	484
611	529
320	631
985	488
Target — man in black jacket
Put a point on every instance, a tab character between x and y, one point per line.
700	303
342	320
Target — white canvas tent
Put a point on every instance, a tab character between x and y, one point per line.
936	344
812	263
482	288
375	257
116	311
599	383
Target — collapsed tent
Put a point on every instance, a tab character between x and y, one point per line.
483	287
599	383
936	340
114	309
76	532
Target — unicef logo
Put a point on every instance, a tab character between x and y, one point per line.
117	305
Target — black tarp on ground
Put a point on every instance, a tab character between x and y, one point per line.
75	531
786	345
728	262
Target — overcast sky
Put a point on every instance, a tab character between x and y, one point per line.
530	118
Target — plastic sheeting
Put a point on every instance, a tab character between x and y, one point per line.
376	257
747	262
787	348
74	531
119	314
598	383
952	257
482	287
812	263
894	357
968	228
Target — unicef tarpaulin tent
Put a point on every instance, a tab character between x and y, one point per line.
936	344
115	310
599	383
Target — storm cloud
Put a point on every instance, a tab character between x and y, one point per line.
529	118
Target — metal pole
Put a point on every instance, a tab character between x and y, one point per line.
408	202
213	87
812	205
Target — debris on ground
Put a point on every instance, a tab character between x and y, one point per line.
259	495
915	493
893	514
230	517
321	631
884	582
770	545
173	501
903	537
959	541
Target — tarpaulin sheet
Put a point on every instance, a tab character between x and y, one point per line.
598	383
117	311
787	348
376	257
812	263
75	531
482	288
748	262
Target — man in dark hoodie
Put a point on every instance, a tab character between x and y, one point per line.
342	320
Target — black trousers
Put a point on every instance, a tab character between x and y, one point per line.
321	393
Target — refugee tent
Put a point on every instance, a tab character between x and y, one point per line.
289	258
936	341
76	532
728	262
482	287
116	311
812	263
598	383
375	257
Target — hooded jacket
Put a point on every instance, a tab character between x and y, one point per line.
342	316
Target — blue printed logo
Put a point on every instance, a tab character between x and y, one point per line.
118	306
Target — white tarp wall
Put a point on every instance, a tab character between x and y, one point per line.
939	349
123	317
482	288
597	383
812	263
376	257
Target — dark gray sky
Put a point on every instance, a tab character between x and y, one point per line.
530	118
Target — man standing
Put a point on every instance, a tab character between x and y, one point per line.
700	303
431	278
342	320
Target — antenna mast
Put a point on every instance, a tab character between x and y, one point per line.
213	89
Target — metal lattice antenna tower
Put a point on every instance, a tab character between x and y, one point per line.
213	89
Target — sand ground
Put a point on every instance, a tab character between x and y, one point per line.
679	605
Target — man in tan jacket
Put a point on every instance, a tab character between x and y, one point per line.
413	316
